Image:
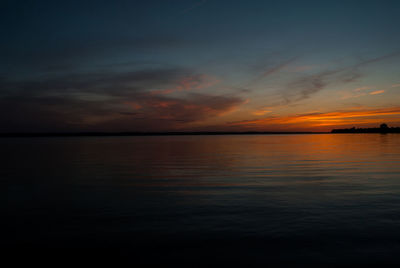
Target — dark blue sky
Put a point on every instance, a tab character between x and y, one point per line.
193	65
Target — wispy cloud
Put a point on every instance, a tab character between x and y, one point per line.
351	95
302	68
304	87
376	59
270	71
377	92
261	112
362	88
360	92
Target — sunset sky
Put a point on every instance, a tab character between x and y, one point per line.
201	65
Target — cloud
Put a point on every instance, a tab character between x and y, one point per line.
362	88
261	112
377	92
306	86
270	71
162	113
302	68
108	102
30	114
106	82
360	92
396	85
139	112
356	93
350	95
194	107
192	82
376	59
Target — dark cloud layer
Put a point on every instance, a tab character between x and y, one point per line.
106	102
166	113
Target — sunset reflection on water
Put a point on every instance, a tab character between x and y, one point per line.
258	198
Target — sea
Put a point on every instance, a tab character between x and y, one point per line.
326	200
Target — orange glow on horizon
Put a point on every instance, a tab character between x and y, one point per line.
322	121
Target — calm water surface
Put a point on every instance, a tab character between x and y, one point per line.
326	199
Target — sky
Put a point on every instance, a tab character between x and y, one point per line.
198	65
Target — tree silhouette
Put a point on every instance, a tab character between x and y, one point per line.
384	126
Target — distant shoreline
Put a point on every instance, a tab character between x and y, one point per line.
383	129
126	134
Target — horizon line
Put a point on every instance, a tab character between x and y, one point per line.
150	133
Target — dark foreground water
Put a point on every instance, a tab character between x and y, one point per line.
330	200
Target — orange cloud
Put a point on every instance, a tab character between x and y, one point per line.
359	92
376	92
134	105
261	112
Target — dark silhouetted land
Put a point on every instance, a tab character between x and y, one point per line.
382	129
